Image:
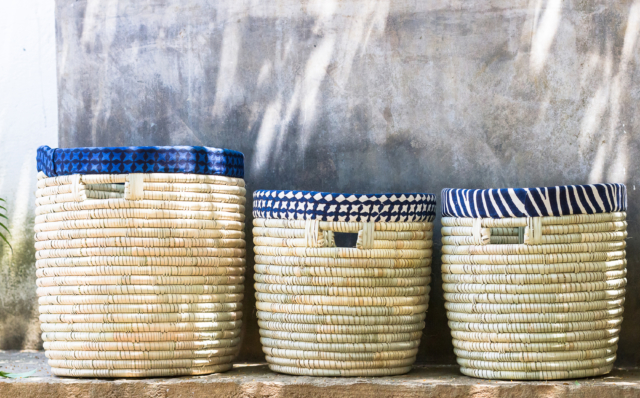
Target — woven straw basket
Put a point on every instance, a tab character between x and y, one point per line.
534	279
140	275
341	311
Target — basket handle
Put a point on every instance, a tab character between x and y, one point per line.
481	236
365	236
533	231
134	187
312	234
78	188
315	237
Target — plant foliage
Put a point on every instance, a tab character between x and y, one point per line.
4	230
16	375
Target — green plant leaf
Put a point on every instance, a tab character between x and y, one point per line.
17	375
2	226
5	239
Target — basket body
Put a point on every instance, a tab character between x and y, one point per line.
140	275
340	311
537	294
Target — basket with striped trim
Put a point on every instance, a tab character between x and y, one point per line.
534	279
140	260
341	311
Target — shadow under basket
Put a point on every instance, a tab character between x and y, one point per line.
140	275
342	311
534	279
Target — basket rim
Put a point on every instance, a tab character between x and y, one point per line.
55	162
560	200
335	206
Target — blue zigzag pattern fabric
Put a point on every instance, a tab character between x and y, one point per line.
534	202
325	206
140	159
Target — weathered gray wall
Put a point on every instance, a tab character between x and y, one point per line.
368	96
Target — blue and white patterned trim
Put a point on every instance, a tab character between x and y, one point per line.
534	202
45	158
140	159
325	206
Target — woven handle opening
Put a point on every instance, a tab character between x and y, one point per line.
339	234
345	239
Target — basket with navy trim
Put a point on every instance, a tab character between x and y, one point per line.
341	311
140	259
140	159
534	279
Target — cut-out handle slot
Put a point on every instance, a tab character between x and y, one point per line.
339	235
345	239
520	235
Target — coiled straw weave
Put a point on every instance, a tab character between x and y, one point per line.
140	275
341	311
535	298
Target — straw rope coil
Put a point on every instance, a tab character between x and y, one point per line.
339	311
140	275
533	297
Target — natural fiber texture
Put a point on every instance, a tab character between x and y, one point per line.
336	311
140	275
535	298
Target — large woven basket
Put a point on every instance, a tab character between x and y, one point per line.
140	259
341	311
534	279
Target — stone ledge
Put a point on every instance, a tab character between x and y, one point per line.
255	380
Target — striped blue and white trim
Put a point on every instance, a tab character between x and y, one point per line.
326	206
534	202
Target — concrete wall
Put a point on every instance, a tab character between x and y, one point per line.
28	118
368	96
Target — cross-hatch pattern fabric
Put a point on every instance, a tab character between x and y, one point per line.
534	202
141	159
337	207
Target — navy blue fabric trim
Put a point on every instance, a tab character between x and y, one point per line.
141	159
46	158
325	206
534	202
